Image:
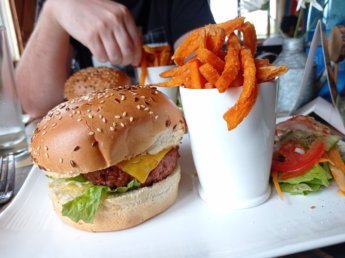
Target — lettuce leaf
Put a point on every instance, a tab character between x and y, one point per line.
309	182
84	206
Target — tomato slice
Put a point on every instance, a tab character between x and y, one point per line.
297	163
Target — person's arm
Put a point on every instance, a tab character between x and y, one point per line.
105	27
43	67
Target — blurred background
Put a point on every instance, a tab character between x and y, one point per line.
276	21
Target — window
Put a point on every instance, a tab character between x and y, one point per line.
262	13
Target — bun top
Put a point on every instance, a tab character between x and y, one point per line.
101	129
94	78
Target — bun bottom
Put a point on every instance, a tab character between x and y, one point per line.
128	209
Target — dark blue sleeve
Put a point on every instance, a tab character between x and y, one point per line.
187	15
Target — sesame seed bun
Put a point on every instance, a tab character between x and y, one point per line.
91	79
101	129
98	131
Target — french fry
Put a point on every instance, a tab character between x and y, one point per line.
215	37
143	72
262	62
209	85
196	79
207	56
241	109
249	36
269	73
209	73
232	25
232	64
238	81
187	47
176	81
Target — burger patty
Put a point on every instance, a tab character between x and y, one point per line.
115	177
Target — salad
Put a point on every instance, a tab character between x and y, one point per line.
306	157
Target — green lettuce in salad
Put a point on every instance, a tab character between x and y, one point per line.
319	176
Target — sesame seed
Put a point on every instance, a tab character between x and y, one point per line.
44	132
123	97
156	117
138	107
131	119
79	119
91	133
151	113
54	124
61	160
112	128
46	148
124	114
73	164
47	156
90	116
117	117
99	130
104	120
122	124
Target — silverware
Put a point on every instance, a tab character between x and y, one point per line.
7	178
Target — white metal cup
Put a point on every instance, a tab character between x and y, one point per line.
12	131
233	167
153	77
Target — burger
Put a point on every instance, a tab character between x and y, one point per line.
92	79
111	157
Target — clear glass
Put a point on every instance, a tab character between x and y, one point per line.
12	131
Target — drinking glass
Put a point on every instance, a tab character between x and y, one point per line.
12	131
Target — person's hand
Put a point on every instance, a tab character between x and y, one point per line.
107	28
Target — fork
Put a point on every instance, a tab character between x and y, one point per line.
7	178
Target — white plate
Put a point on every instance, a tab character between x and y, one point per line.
30	228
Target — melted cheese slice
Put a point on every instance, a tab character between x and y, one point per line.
141	166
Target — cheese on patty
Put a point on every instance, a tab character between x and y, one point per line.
141	166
